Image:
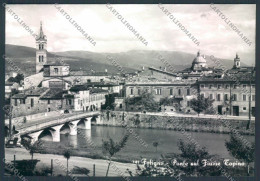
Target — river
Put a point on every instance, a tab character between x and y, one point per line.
167	139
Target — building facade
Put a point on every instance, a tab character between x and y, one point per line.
41	50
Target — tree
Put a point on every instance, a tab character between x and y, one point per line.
155	144
66	155
145	101
19	78
241	151
112	148
201	104
32	147
166	101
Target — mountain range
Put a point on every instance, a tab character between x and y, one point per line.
130	61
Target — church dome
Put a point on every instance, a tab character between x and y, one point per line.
199	62
199	59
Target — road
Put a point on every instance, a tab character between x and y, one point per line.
45	161
46	119
191	115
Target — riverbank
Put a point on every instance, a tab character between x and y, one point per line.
45	161
193	123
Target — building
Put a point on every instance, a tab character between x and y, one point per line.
232	95
86	98
181	91
9	87
41	50
56	69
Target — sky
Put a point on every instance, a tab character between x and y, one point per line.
161	33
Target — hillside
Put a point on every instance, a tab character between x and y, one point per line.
24	57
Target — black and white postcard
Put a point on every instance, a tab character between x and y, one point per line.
129	90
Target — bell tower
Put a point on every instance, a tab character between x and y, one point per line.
236	62
41	52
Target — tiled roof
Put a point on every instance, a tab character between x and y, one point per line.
89	73
240	77
162	71
30	92
35	92
9	83
53	94
19	96
59	79
57	63
77	88
95	91
100	84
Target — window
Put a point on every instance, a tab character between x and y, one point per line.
39	58
120	106
188	91
202	95
179	92
132	91
49	101
219	86
235	86
244	86
56	70
171	92
244	108
188	103
42	46
139	91
253	97
253	86
202	86
15	102
89	80
210	86
244	97
32	103
39	46
49	109
211	96
234	97
226	97
227	86
158	91
22	101
78	101
218	97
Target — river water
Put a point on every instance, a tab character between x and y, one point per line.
167	139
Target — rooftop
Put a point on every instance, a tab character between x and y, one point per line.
56	63
77	88
30	92
96	90
53	94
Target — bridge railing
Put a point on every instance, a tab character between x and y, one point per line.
42	125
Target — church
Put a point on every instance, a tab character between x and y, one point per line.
54	87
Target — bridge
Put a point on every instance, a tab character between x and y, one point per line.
54	124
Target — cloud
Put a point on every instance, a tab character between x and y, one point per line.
159	30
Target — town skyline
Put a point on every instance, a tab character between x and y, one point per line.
60	36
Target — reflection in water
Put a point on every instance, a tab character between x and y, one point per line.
167	139
73	141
